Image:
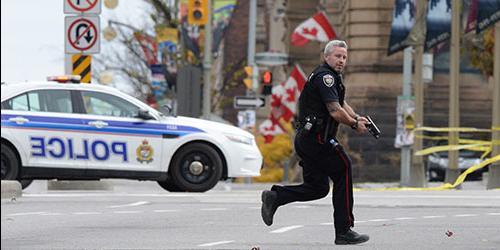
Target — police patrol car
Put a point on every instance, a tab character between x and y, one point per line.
59	130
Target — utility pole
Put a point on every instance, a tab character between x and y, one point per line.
417	170
207	63
494	171
252	22
452	172
406	149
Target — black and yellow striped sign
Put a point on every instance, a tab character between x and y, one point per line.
81	66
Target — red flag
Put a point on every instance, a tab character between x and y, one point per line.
149	47
472	18
293	86
316	28
269	129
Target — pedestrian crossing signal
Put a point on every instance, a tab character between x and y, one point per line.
198	12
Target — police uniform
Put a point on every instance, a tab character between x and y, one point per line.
321	155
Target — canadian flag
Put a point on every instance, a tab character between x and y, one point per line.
293	86
269	129
316	28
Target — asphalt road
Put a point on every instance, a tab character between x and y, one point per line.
140	215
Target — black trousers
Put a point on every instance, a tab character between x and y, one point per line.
320	162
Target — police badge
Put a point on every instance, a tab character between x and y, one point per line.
328	80
144	152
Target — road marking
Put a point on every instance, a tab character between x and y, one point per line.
215	243
465	215
327	224
29	213
51	214
165	211
254	208
302	206
359	221
285	229
378	220
139	203
127	212
433	216
85	213
493	213
405	218
213	209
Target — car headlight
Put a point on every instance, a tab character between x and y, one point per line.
240	139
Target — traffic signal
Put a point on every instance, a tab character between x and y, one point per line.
267	82
248	77
198	12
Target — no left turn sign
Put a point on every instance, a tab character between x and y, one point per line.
82	34
82	6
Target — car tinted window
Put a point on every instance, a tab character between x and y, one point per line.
97	103
41	101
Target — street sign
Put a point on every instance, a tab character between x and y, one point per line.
82	6
82	67
82	34
271	58
244	102
246	119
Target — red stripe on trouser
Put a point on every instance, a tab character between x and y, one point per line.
346	186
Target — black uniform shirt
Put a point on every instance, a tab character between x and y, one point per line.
324	85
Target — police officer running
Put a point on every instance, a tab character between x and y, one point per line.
321	109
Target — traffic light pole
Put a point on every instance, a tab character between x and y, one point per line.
252	22
207	63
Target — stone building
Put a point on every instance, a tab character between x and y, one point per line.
373	79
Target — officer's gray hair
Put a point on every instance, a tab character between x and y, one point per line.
332	44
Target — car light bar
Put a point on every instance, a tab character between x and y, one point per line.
65	78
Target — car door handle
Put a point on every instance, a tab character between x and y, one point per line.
98	124
19	120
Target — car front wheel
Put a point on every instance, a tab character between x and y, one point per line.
10	163
196	167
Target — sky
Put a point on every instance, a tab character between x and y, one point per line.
32	35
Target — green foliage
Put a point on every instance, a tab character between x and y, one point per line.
480	49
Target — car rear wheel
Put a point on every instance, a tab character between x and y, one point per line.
10	163
196	167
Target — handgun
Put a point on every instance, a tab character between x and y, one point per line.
372	128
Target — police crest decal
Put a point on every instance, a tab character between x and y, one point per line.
328	80
144	152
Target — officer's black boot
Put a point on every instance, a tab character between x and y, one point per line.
350	237
269	206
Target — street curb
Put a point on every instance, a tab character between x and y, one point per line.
11	189
79	185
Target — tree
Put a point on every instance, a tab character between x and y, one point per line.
124	55
480	47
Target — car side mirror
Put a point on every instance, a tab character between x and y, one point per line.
145	115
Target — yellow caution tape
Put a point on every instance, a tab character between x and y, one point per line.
474	145
445	186
445	148
434	129
461	178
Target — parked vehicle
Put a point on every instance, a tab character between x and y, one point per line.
72	131
437	163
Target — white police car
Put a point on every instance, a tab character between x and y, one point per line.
78	131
